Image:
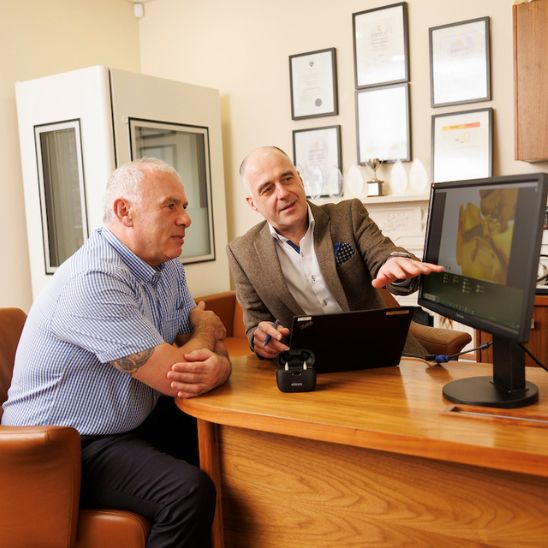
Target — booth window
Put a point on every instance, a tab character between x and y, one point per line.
186	148
61	187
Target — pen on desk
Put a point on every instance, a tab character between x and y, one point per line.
268	338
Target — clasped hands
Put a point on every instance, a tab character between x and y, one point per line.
208	365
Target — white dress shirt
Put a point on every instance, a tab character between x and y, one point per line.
302	272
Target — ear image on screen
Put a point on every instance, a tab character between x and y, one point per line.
487	234
484	234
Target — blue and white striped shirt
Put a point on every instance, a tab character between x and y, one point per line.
102	304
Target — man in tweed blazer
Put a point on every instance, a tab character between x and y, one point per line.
308	259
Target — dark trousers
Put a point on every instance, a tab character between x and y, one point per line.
152	471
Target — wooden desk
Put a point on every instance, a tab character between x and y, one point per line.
372	458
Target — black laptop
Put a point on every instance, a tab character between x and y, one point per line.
346	341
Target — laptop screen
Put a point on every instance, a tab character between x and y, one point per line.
361	339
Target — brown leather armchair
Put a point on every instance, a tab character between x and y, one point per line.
434	339
40	470
226	306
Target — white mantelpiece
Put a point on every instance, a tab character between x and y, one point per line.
402	219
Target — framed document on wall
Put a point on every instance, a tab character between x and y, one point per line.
313	81
462	145
317	155
381	46
459	63
383	123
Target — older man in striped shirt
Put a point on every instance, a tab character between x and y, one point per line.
115	329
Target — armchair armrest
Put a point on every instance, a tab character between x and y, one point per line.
226	306
40	468
440	341
223	305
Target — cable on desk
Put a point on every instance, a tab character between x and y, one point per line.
443	358
533	357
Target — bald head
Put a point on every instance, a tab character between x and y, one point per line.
275	190
259	154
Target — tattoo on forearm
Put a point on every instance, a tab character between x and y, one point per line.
130	364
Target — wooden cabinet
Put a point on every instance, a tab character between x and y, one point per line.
538	340
531	80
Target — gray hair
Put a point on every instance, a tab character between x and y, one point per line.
125	182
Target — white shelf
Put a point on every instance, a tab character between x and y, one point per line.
390	199
395	198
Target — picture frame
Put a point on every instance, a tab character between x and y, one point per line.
381	46
383	123
313	84
460	65
462	145
318	158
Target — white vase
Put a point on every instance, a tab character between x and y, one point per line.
418	178
398	179
315	182
353	182
333	181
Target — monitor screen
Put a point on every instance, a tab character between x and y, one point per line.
487	234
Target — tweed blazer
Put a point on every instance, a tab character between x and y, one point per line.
350	249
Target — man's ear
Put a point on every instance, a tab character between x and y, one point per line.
251	203
122	211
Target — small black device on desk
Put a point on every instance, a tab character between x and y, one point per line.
295	372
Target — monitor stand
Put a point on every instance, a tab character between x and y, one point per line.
506	388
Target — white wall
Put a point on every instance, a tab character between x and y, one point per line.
37	38
241	47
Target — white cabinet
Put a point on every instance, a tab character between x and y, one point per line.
76	127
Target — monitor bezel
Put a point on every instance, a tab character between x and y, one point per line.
526	312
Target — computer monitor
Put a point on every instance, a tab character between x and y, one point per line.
487	234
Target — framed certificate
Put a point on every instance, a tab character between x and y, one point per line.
460	63
313	81
381	46
383	125
462	145
317	155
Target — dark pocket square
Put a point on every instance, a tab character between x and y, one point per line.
343	252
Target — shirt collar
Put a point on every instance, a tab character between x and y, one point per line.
141	270
280	238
